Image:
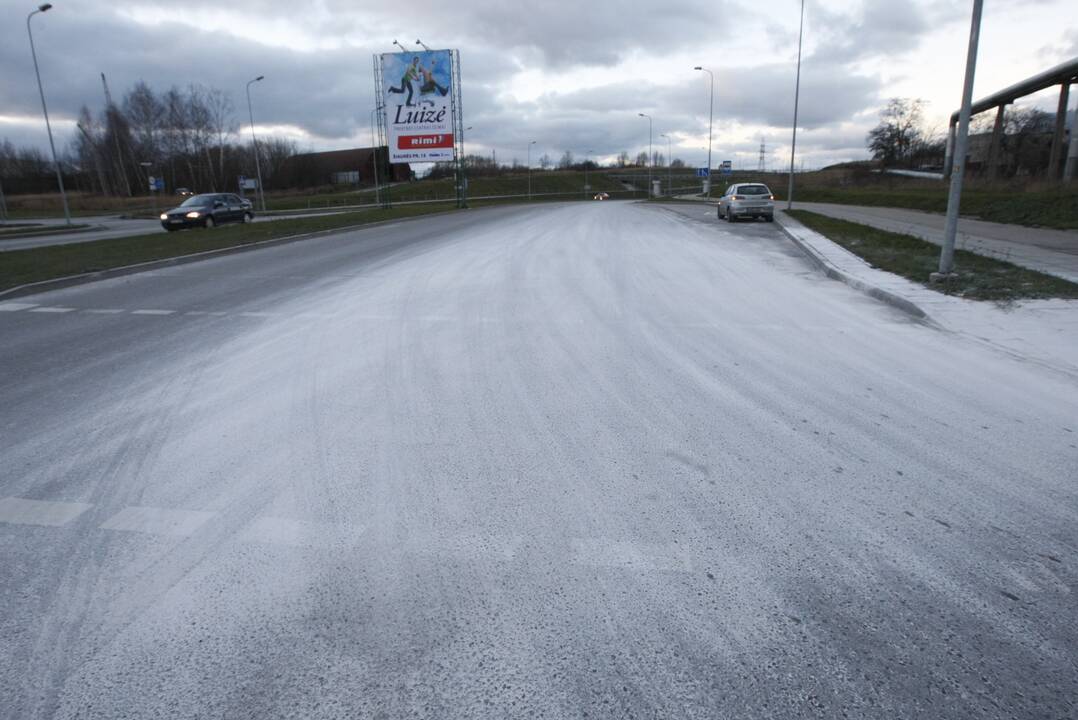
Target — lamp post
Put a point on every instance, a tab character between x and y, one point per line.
651	158
710	122
420	44
797	94
587	161
669	174
958	167
254	141
52	146
530	169
463	164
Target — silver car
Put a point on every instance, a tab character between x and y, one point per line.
750	200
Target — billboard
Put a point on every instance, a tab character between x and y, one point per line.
417	91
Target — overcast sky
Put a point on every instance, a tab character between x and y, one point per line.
570	74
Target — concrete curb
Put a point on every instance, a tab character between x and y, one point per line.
896	301
70	280
22	235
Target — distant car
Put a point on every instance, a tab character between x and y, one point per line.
207	211
751	200
184	192
602	196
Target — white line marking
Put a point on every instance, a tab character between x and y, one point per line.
196	312
15	307
217	313
52	309
299	533
40	512
157	521
256	314
104	311
152	312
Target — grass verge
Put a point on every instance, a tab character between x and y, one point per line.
979	277
18	267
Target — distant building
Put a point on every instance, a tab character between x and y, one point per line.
341	167
1019	154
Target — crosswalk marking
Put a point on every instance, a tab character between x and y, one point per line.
21	511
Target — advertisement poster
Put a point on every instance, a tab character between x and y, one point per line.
418	106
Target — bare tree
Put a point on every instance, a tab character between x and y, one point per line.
899	131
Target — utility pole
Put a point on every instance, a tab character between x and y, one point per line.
954	199
797	94
587	161
710	122
530	169
651	157
374	158
52	146
254	141
669	175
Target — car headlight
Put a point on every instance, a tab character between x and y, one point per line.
194	214
164	216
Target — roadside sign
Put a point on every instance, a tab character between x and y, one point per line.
247	183
703	172
156	184
726	168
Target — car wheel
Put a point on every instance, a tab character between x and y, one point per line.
729	215
170	229
769	218
208	222
248	217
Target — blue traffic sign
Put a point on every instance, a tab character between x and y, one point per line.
703	172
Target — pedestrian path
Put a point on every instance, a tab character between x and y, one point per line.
1050	251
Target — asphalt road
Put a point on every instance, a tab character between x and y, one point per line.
597	460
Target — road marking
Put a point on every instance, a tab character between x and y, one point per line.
152	312
52	310
299	533
601	552
196	312
39	512
15	307
157	521
104	311
256	314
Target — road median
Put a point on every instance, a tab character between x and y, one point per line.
32	270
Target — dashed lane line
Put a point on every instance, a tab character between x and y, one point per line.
51	310
152	312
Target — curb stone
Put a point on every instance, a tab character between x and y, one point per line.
821	261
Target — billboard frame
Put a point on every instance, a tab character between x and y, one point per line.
456	113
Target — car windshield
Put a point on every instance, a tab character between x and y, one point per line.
753	190
198	201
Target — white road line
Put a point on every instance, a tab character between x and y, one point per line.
196	312
39	512
152	312
52	310
15	306
256	314
218	313
104	311
157	521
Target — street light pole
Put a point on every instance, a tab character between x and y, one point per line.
45	110
710	123
669	175
254	141
463	168
797	93
587	161
651	157
954	199
530	169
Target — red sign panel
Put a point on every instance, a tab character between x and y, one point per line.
424	142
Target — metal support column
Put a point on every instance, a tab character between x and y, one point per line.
1070	168
383	133
1057	138
993	149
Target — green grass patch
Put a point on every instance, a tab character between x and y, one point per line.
19	267
979	277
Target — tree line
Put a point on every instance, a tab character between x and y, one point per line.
188	136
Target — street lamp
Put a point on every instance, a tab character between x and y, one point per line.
669	175
403	49
587	161
45	110
530	169
420	44
254	140
463	181
710	121
797	93
651	158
